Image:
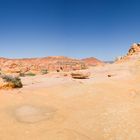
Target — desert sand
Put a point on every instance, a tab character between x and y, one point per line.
61	108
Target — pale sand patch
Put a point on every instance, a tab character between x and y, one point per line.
32	114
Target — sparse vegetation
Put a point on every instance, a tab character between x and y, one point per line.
22	75
44	71
0	71
11	81
30	74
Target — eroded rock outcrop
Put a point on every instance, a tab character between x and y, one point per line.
133	54
36	65
134	50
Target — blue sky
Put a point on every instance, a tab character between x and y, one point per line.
75	28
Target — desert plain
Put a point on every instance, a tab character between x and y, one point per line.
105	106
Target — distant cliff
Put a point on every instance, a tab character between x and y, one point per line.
54	63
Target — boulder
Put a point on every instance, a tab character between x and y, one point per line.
80	75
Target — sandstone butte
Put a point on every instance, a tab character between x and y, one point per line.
35	65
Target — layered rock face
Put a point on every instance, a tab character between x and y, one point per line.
133	53
91	61
58	63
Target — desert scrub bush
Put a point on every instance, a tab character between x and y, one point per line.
21	74
11	81
30	74
45	71
0	71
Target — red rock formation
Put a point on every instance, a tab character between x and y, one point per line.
92	61
56	63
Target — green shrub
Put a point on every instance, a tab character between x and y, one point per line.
30	74
45	71
22	75
15	81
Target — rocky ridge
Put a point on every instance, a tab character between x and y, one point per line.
36	65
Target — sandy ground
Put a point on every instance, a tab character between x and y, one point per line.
61	108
